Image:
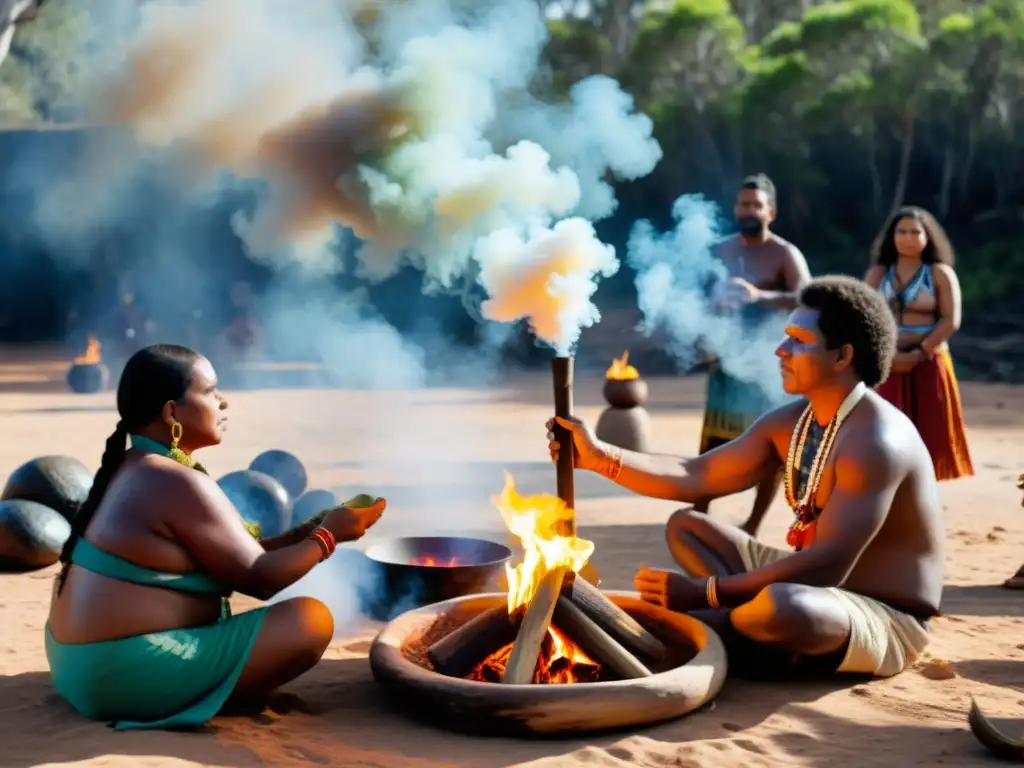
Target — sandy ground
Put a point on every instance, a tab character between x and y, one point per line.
438	455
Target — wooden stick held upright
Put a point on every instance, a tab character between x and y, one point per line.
562	378
526	649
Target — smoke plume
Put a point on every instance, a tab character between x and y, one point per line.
547	278
417	131
344	146
675	275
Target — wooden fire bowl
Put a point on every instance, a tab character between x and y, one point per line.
553	709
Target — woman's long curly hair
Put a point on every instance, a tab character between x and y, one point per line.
938	250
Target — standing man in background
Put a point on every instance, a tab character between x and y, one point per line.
766	275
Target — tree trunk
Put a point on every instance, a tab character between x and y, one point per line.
948	171
874	173
967	166
906	152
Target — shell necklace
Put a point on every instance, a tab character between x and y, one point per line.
804	507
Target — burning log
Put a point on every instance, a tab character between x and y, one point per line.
526	650
457	653
596	642
618	624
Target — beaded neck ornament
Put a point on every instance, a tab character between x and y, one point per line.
174	452
804	507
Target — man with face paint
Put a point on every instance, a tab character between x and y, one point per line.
766	275
864	576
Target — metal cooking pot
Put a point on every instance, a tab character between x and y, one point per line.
413	571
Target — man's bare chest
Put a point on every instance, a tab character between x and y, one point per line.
762	270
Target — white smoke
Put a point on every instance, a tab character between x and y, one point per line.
420	127
548	278
423	137
675	272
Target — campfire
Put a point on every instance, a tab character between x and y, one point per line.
523	661
555	627
621	370
537	522
91	356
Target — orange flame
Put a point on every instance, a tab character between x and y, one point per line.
536	521
91	356
620	369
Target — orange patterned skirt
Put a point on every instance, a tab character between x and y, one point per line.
929	395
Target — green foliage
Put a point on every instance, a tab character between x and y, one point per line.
852	107
42	74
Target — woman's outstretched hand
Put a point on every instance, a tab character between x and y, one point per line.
589	453
348	524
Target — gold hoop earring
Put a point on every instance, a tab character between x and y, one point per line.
176	432
179	455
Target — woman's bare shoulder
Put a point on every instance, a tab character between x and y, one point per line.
164	479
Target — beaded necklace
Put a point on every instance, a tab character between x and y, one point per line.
141	443
804	507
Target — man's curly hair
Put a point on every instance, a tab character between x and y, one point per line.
852	312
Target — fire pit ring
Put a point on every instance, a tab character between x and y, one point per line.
554	709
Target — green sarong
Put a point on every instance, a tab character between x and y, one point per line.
174	679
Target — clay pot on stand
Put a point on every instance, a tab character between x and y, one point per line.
625	422
87	374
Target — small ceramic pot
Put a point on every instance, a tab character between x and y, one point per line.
625	393
88	378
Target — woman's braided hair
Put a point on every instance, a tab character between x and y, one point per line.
152	376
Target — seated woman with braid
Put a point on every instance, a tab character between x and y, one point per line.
864	575
140	631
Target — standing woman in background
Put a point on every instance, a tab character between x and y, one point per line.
912	266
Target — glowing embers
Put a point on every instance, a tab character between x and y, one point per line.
560	661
